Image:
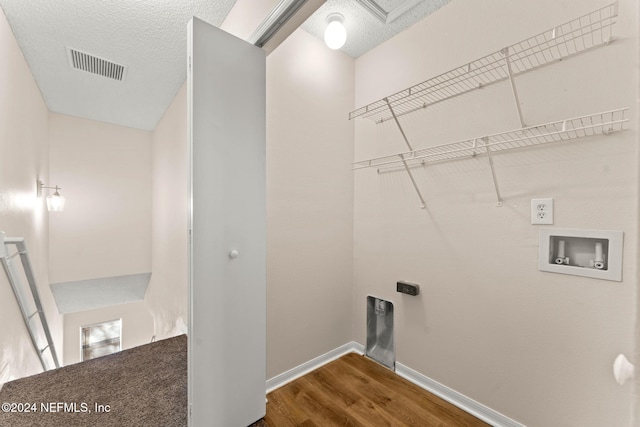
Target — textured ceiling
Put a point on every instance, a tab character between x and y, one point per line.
149	38
364	29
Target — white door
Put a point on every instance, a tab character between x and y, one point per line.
227	332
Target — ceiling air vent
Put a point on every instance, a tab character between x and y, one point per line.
95	65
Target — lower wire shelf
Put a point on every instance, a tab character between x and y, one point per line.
601	123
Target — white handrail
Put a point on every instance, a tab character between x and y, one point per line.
29	305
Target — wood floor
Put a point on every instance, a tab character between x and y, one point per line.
355	391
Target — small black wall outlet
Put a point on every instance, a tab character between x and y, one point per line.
408	288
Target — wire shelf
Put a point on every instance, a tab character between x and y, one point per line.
591	30
602	123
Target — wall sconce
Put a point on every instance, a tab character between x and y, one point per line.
335	35
55	202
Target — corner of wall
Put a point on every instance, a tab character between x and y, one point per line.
167	293
310	92
24	145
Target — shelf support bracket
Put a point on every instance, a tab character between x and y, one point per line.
493	172
423	204
395	118
505	52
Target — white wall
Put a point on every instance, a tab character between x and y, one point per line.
105	230
536	346
167	292
309	201
105	174
137	327
23	159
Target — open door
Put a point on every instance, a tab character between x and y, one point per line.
227	296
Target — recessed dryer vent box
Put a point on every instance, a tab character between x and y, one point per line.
589	253
380	342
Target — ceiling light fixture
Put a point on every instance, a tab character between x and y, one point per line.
55	202
335	35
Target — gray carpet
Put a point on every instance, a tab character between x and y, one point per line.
143	386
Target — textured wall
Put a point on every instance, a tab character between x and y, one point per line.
309	201
535	346
23	158
167	292
105	174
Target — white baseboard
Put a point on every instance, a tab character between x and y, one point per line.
290	375
478	410
463	402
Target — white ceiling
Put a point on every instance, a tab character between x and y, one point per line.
365	30
149	37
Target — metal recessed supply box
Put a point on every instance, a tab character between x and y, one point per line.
588	253
380	340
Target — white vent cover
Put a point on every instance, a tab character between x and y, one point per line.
95	65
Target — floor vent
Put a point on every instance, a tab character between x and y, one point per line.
95	65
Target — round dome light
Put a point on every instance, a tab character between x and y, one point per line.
335	35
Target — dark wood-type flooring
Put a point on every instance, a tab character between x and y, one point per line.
355	391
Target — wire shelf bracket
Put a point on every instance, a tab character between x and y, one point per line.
505	52
28	304
493	174
579	35
423	204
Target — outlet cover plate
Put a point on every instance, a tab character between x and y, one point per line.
542	211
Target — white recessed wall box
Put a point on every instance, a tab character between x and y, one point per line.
589	253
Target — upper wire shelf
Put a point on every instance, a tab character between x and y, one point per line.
583	33
562	130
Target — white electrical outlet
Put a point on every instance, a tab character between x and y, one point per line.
542	211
